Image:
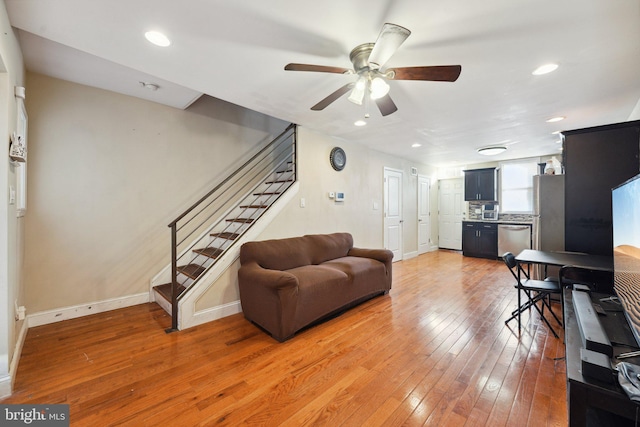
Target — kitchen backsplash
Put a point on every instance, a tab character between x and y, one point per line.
473	216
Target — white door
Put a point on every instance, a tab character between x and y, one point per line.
451	200
393	212
424	226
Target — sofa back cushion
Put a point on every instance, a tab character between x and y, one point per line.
325	247
284	254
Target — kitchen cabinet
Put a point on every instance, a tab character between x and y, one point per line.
480	239
480	184
596	160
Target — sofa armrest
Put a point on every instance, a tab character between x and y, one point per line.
269	298
253	275
383	255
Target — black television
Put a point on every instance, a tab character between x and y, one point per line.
626	249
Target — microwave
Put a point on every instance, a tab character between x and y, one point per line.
489	212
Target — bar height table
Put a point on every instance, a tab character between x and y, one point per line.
561	259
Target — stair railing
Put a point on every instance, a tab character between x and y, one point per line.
277	159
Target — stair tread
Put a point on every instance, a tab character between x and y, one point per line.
280	181
210	252
165	290
243	220
191	270
254	207
226	235
267	193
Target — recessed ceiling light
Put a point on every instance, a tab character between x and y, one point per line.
491	151
360	123
157	38
556	119
416	145
545	69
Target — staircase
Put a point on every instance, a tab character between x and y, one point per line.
215	225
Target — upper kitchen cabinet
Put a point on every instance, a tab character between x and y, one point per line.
596	160
480	185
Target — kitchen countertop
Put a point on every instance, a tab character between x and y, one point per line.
499	222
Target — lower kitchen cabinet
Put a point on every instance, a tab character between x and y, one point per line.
480	239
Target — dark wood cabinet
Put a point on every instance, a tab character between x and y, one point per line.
480	184
480	239
591	402
596	160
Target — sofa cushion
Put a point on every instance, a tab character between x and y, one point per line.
321	290
277	254
283	254
366	275
324	247
355	266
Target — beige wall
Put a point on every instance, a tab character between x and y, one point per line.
362	182
107	173
11	227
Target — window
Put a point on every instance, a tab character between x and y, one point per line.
516	183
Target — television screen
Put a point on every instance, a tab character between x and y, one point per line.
626	249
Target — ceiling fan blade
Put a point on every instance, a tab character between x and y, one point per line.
389	40
317	68
386	105
438	73
334	96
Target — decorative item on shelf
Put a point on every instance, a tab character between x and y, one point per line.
337	158
17	148
549	169
541	167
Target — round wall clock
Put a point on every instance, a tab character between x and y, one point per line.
337	158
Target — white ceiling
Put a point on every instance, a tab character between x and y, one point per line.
237	50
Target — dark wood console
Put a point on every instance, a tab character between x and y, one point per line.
591	402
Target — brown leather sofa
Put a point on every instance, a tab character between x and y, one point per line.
288	284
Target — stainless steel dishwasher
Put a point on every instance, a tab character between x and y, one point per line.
513	238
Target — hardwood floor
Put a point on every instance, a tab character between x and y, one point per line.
435	351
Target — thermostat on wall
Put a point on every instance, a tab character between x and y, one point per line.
339	196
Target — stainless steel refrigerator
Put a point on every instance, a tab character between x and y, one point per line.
548	215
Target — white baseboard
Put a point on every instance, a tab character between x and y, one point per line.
65	313
214	313
5	386
410	255
6	381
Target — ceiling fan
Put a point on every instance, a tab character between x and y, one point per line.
368	60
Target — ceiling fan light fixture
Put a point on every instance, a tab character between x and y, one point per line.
491	151
379	88
357	94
